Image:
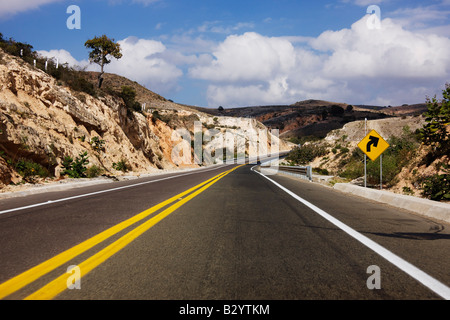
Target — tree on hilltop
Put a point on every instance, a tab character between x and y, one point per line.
103	48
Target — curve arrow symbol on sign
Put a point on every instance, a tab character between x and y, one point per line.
373	141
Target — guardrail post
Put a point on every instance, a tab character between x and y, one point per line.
309	172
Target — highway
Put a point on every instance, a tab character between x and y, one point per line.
220	233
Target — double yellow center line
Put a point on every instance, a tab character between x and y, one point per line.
58	285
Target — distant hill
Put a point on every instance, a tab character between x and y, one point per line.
314	117
404	110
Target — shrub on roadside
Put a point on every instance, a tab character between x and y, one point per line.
437	186
121	166
28	169
436	133
75	168
305	154
94	171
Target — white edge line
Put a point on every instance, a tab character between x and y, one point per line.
104	191
430	282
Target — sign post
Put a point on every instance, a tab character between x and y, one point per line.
365	156
381	172
373	145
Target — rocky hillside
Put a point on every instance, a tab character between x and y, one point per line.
42	121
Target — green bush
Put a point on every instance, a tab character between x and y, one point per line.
321	171
78	83
391	168
408	191
121	166
305	154
436	187
97	144
28	169
302	140
128	94
435	132
353	170
162	117
75	168
94	171
156	115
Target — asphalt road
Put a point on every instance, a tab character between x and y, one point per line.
240	237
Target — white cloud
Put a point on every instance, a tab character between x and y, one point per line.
443	31
249	57
8	8
64	56
143	61
363	3
216	27
421	17
389	52
391	65
274	92
186	44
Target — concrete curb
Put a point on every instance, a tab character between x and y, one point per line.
425	207
66	185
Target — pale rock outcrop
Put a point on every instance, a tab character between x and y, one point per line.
43	121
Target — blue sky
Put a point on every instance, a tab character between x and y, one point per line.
253	52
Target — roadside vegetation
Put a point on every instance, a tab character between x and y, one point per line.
350	163
75	168
305	154
427	146
121	165
436	135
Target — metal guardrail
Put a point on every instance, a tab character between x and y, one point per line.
303	172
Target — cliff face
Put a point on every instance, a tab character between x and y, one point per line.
42	121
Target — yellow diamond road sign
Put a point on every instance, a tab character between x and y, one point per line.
373	145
